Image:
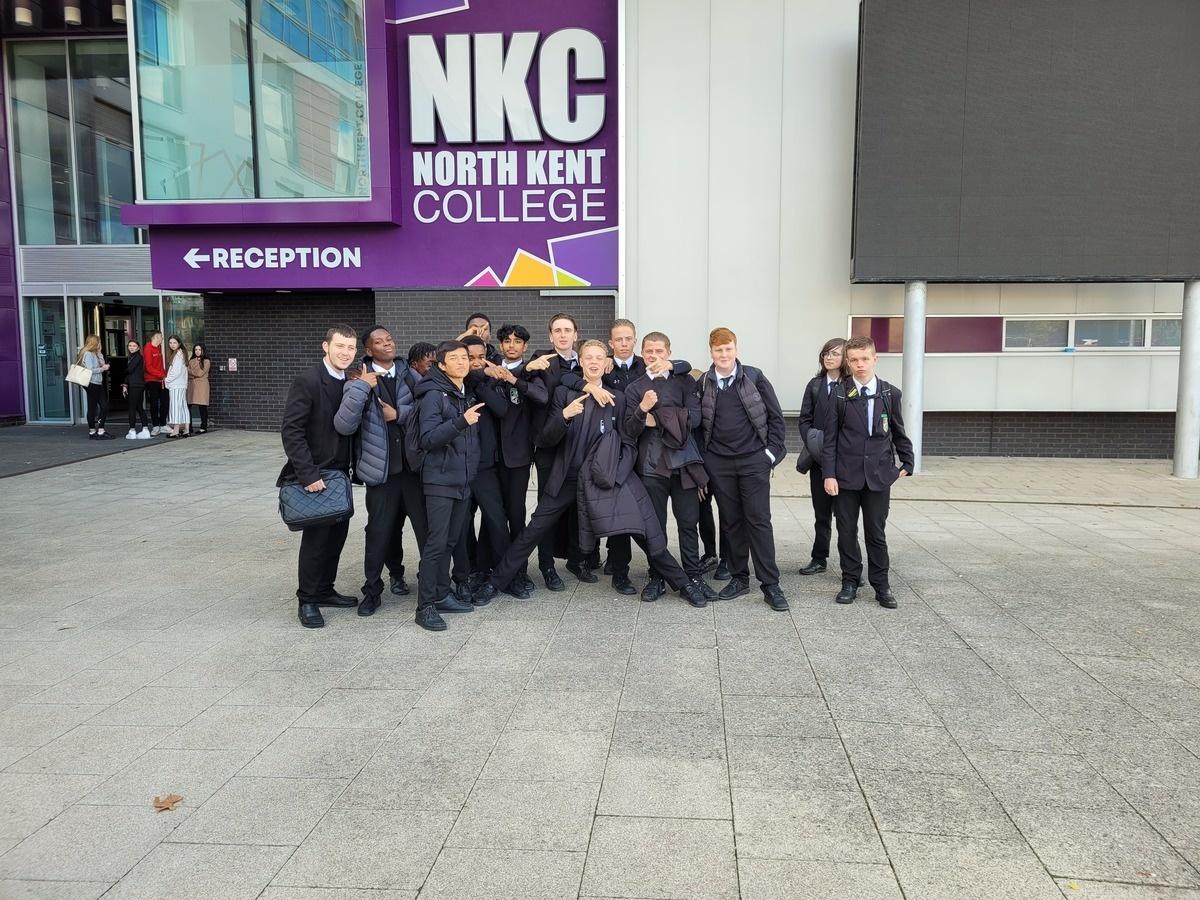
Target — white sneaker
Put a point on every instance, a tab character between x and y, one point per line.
131	436
154	431
143	435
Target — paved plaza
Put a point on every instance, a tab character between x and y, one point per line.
1026	725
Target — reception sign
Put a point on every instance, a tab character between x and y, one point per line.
505	125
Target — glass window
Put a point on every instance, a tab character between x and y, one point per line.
1040	333
42	139
103	140
1110	332
183	314
192	73
281	114
1165	332
311	100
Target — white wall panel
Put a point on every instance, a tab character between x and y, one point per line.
960	382
1033	381
744	133
1109	381
667	265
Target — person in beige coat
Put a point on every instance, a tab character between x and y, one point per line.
197	395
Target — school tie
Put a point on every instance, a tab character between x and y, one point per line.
725	382
866	395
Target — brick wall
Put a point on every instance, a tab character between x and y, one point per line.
1072	434
272	337
440	315
1098	435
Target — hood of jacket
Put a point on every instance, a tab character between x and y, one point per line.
437	380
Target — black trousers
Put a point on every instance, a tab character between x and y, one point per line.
550	510
489	549
822	505
444	517
714	544
320	550
137	412
97	405
158	400
203	408
874	508
384	534
514	490
620	553
742	485
685	505
544	460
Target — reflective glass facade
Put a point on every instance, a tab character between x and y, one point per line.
73	141
252	99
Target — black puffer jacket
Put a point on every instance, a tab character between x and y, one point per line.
451	445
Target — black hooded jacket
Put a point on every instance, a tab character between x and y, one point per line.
451	445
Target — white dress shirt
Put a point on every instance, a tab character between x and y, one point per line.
340	376
872	387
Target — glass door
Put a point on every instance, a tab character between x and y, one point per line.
48	355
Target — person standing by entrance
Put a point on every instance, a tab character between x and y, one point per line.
90	357
199	367
312	444
156	372
818	395
743	441
864	432
133	390
176	382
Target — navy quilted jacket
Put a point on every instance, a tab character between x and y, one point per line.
360	415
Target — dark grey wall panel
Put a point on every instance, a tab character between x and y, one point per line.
1028	140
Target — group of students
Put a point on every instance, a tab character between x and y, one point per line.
615	438
168	380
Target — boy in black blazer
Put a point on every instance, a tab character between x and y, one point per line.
864	431
312	444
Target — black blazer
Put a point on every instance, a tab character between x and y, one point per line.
859	460
516	429
307	431
551	377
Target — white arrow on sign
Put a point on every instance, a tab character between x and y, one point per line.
194	257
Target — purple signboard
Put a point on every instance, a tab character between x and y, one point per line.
505	136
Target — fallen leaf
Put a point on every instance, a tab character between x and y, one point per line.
167	803
1072	885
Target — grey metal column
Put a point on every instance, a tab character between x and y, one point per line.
1187	407
913	405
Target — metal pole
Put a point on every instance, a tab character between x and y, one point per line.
1187	407
913	405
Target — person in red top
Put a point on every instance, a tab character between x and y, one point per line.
156	397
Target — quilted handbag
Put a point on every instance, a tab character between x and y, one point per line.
300	509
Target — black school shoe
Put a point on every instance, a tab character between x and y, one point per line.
722	573
654	589
693	595
814	567
368	606
310	616
429	619
736	587
583	572
706	589
451	603
886	599
848	593
399	586
773	597
552	579
708	562
339	600
622	585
